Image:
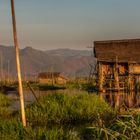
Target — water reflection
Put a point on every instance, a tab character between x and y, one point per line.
118	99
29	97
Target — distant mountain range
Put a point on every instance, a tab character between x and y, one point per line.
67	61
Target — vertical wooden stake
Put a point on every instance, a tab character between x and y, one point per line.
18	63
1	66
116	76
8	72
100	76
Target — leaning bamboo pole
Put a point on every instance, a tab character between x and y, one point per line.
18	63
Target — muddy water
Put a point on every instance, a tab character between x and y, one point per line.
29	97
116	99
119	99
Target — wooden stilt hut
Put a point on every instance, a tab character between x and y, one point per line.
118	63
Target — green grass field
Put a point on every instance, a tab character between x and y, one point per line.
68	117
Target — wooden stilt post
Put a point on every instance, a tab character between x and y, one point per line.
117	101
116	76
129	83
18	63
100	76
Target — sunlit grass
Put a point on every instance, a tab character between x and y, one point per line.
68	117
63	108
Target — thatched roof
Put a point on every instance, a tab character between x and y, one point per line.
127	50
49	75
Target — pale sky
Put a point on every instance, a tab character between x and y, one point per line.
50	24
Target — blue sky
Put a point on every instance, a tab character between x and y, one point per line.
50	24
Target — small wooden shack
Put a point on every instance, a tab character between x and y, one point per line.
52	78
118	64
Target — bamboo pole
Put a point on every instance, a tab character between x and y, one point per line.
18	63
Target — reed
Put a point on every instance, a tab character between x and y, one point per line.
65	109
71	117
5	112
14	130
123	128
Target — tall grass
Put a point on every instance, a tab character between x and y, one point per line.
125	127
65	109
69	117
82	85
13	129
4	100
84	110
5	112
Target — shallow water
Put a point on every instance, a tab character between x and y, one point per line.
29	97
118	99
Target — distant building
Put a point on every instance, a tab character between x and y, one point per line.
118	63
52	78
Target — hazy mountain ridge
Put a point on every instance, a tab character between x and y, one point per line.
69	62
69	52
